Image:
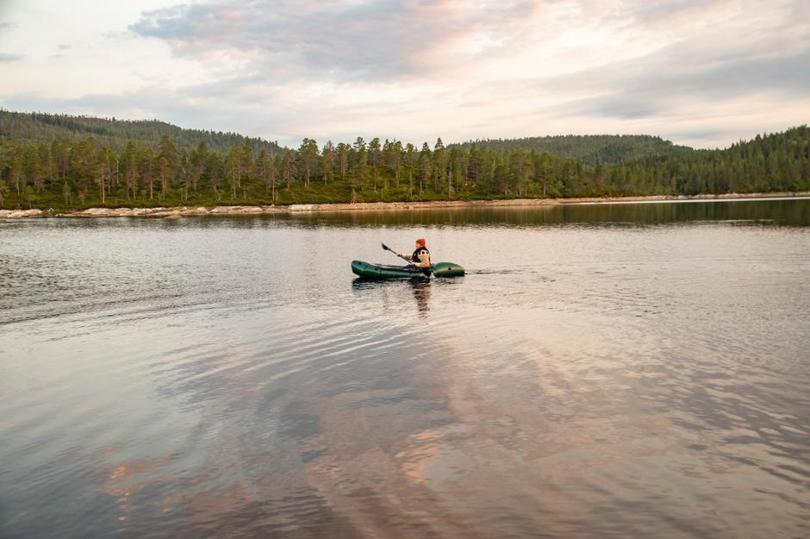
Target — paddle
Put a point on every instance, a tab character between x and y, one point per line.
387	248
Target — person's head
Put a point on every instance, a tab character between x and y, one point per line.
420	242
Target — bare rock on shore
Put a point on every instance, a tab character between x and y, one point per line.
128	212
188	211
170	212
100	212
19	214
237	210
164	212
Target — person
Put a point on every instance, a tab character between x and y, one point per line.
420	257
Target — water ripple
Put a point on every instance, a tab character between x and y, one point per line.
229	378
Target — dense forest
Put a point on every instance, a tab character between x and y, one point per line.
589	149
64	162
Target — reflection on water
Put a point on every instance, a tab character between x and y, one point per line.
421	292
621	372
420	288
791	212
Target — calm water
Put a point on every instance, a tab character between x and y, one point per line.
629	370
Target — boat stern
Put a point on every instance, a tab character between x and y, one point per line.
447	269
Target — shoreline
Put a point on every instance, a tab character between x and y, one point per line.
199	211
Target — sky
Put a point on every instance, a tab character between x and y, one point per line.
701	73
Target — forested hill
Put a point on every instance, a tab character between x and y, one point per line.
588	149
116	134
94	169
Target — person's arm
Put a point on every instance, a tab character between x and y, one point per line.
404	257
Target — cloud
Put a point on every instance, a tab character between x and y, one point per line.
185	108
351	41
718	56
333	40
655	85
669	11
709	72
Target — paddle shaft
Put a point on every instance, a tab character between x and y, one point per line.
387	248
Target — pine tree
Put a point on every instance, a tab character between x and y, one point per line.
308	153
425	167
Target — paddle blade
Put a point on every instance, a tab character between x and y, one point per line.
384	246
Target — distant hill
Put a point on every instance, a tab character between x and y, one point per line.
589	149
114	133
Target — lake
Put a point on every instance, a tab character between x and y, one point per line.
601	371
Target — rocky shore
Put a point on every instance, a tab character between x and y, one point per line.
196	211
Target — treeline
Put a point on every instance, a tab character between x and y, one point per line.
590	149
69	173
116	134
778	162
